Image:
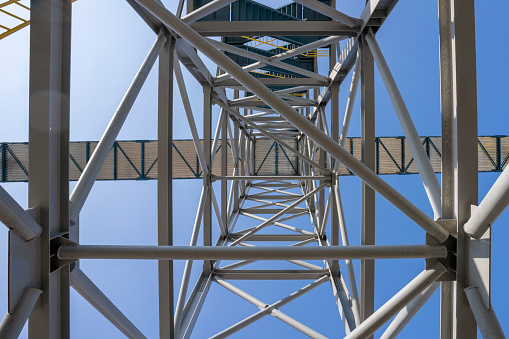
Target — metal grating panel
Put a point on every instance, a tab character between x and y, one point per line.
137	160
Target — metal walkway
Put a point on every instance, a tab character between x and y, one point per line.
137	160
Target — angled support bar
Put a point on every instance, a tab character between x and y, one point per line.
276	59
330	12
250	253
269	309
13	323
429	179
271	136
493	204
91	171
396	303
16	218
189	263
177	72
351	100
300	122
486	319
407	313
354	292
91	293
278	215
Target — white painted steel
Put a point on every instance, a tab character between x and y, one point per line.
354	292
351	100
278	215
408	312
91	172
493	204
213	150
189	263
16	218
13	322
429	179
396	303
266	309
299	121
254	253
273	137
486	319
177	72
91	293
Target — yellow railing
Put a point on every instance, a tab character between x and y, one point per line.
9	8
17	12
270	41
271	73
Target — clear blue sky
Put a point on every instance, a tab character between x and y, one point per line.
110	42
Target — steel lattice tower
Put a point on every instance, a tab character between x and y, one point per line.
281	115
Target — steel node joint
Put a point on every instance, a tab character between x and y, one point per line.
449	261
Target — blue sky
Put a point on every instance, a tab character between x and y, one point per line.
110	42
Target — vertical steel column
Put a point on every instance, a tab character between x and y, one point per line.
334	113
207	146
334	122
465	132
367	194
48	184
224	169
164	185
446	101
236	161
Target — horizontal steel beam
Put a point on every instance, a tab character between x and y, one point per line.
278	28
250	253
233	83
236	274
270	177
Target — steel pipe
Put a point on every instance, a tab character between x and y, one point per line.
16	218
177	72
91	293
299	121
270	177
276	59
270	309
354	292
254	253
271	136
351	100
486	319
214	150
189	263
13	322
429	179
278	215
396	303
407	313
493	204
91	172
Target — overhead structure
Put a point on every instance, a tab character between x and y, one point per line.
270	170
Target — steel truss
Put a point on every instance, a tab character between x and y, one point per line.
456	253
